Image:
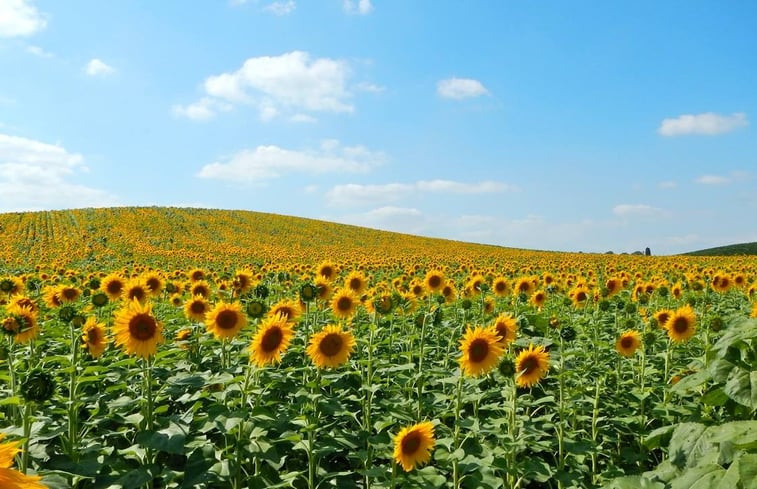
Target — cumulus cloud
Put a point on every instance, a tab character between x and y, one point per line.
707	123
281	7
291	83
713	180
355	194
35	175
460	88
20	18
637	210
360	7
97	67
268	162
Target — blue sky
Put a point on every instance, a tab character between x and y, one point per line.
588	126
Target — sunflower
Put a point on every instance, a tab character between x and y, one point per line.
255	309
580	295
176	300
289	309
344	304
481	350
154	283
531	366
68	293
324	288
136	330
628	343
682	324
475	284
182	337
225	320
613	286
242	281
754	311
677	290
523	285
196	275
51	296
434	280
21	323
356	282
94	337
662	317
506	327
327	270
200	287
196	308
721	282
113	285
10	478
539	298
449	293
501	286
271	340
413	445
23	301
135	289
330	347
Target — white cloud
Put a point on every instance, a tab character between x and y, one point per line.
20	18
460	88
38	51
713	180
355	194
268	162
281	7
292	82
637	210
303	118
97	67
34	176
361	7
369	87
707	123
667	184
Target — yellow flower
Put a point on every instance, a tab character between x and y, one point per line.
94	337
628	343
225	320
434	280
196	308
10	478
481	350
413	445
344	304
289	309
21	323
531	366
506	327
136	330
682	324
331	347
271	340
113	285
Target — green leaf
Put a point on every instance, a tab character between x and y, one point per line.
688	443
748	470
633	482
741	386
704	477
738	433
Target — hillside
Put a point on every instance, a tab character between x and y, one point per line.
730	250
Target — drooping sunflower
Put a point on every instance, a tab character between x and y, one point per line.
531	366
196	308
413	445
506	327
434	280
94	337
113	285
356	282
10	478
344	303
628	343
662	317
682	324
136	329
135	288
225	320
289	309
271	340
330	347
501	286
21	323
481	350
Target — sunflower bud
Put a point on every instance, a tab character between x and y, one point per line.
604	305
261	291
568	333
38	387
256	309
99	299
507	368
308	292
66	313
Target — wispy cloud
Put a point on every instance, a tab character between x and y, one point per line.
97	67
460	88
355	194
281	7
359	7
638	210
708	124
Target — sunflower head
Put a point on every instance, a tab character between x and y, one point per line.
434	280
225	320
137	331
271	340
531	366
628	343
344	303
506	326
331	347
681	325
38	386
196	308
481	350
413	445
94	337
289	309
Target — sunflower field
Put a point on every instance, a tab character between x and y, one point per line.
188	348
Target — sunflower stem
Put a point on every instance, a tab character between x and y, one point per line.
420	365
312	428
513	431
368	402
73	428
595	430
456	438
28	406
561	412
14	412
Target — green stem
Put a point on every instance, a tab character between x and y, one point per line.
368	406
456	439
73	413
15	415
312	428
513	431
420	365
595	430
561	412
28	406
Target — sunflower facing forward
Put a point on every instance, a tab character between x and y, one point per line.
271	340
344	303
10	478
531	366
196	308
136	330
413	445
93	337
682	324
331	347
225	320
628	343
481	350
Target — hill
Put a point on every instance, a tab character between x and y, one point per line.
730	250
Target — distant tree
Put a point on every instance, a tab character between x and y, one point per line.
647	252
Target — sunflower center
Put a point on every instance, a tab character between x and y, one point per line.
142	327
285	311
411	443
200	290
197	307
478	350
331	344
137	293
528	365
355	283
680	325
226	319
447	291
153	283
581	296
626	343
500	287
434	281
114	287
272	339
327	272
93	335
344	304
523	287
69	294
663	318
